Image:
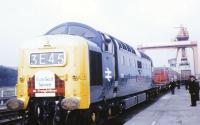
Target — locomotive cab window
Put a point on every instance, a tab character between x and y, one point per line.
95	68
59	30
81	31
107	45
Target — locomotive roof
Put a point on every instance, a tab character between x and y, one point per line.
123	45
73	28
144	55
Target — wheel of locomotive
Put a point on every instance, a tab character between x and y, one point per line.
158	91
59	117
32	117
113	110
37	115
56	119
72	118
23	115
121	107
150	95
92	117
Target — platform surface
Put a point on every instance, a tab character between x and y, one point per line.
169	110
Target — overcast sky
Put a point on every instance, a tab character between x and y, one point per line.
132	21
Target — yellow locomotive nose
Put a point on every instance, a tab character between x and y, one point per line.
59	70
14	104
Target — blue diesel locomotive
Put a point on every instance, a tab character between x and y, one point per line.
77	72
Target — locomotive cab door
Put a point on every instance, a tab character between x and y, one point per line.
108	67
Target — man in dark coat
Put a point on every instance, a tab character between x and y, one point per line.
197	91
172	86
193	90
178	84
186	83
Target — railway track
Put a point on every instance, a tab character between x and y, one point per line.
8	117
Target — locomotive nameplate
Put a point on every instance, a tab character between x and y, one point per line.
44	84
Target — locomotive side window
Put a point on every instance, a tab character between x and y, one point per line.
129	62
139	64
95	68
135	63
122	60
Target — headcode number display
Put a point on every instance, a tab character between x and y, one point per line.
49	58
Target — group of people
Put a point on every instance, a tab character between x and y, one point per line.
193	85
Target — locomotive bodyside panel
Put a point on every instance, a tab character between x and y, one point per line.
134	71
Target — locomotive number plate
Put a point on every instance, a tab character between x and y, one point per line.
48	58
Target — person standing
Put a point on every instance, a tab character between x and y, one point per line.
172	86
186	83
192	90
197	89
178	84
